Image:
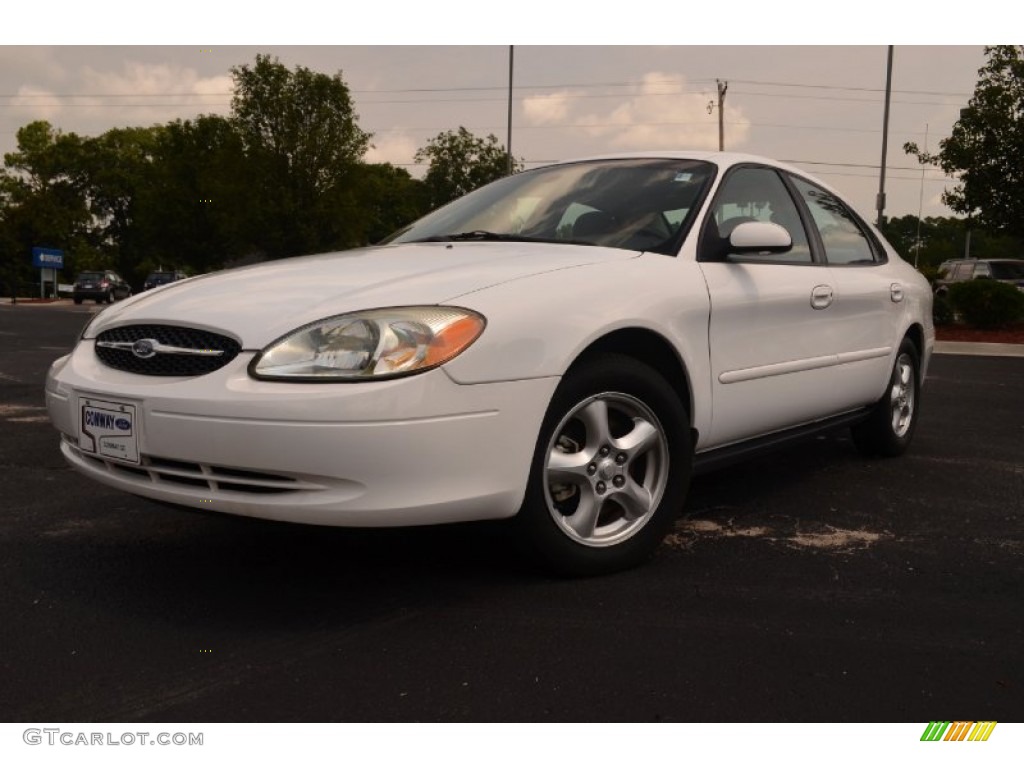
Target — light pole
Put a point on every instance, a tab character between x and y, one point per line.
508	143
880	202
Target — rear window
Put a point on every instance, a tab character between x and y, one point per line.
83	276
1007	270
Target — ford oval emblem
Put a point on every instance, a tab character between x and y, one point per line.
123	424
143	348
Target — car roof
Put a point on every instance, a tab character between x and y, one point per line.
721	159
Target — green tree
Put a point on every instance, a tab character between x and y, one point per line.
302	143
945	237
387	199
193	213
459	162
986	147
42	202
115	171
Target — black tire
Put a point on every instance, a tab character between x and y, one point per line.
613	507
110	296
77	300
893	420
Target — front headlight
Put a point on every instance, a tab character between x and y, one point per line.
373	344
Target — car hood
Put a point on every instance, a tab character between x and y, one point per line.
259	304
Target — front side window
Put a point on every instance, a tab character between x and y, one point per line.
753	194
637	204
842	237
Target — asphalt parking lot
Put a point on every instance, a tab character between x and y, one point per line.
805	585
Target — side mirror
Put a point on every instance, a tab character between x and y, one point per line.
759	237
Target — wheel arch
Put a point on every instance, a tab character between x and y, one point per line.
915	332
651	348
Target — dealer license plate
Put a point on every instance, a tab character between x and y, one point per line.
109	430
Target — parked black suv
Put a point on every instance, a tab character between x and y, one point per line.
100	286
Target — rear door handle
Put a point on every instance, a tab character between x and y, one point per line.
821	296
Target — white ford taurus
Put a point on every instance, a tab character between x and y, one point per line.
562	346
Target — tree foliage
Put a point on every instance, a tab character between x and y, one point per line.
945	237
302	143
193	209
459	162
281	176
43	200
986	147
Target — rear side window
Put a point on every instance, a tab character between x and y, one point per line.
964	271
844	240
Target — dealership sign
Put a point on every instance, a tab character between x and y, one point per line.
47	258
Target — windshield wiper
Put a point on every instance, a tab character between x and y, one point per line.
483	234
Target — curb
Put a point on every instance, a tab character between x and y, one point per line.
978	349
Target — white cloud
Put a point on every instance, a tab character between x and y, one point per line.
664	112
36	103
394	147
151	92
547	108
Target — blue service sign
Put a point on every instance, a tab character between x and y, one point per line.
47	258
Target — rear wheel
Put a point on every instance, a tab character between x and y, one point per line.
610	471
890	427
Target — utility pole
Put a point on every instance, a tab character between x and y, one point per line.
723	86
508	143
920	203
885	140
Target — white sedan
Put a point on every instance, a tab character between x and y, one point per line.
562	347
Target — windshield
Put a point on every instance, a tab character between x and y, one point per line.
638	204
1007	270
160	277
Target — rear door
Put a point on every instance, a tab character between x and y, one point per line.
868	299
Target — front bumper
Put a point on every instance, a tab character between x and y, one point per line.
409	451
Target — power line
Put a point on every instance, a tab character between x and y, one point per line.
857	165
850	88
534	86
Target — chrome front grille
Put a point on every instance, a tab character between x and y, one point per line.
165	350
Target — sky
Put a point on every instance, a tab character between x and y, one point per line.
817	107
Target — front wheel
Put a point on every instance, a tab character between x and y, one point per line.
610	470
889	428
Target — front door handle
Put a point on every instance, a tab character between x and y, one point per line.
821	296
